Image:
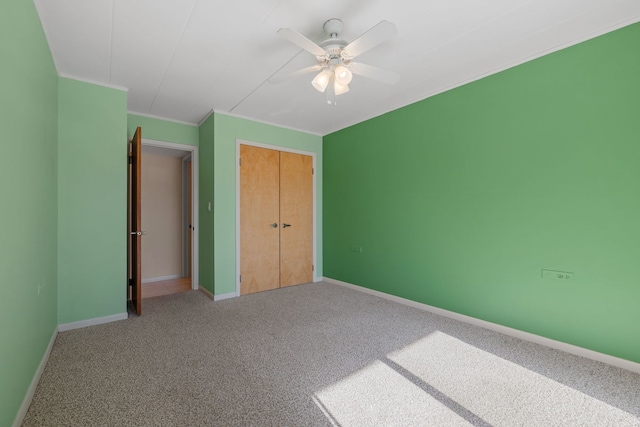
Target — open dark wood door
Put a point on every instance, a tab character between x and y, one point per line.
135	223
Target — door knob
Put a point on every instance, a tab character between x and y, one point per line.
274	225
285	225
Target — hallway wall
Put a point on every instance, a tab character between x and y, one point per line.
161	215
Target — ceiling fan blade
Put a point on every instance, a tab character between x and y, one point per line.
279	79
377	34
298	39
375	73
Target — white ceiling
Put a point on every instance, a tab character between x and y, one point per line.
182	59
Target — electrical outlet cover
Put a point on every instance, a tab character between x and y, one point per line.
565	276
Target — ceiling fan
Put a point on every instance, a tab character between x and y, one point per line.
335	56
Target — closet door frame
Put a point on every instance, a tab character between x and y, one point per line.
240	142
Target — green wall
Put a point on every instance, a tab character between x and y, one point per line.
227	130
206	217
92	201
163	130
28	217
460	200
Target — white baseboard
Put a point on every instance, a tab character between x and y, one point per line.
161	278
206	292
26	402
91	322
220	297
548	342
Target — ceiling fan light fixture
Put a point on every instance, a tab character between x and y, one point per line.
343	75
340	89
321	81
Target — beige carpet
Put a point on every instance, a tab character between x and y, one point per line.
316	355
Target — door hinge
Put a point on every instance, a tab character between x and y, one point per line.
130	159
240	162
241	278
313	171
313	268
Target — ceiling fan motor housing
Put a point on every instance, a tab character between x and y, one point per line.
333	27
334	45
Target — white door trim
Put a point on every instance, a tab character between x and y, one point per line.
315	204
186	222
193	150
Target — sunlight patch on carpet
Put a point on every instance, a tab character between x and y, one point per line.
499	391
378	395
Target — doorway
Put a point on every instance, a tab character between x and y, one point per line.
275	221
169	218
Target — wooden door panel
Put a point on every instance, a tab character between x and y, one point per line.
135	211
259	211
296	219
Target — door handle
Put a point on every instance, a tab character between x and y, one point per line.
138	233
274	225
285	225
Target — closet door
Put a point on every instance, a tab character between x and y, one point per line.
259	219
296	219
